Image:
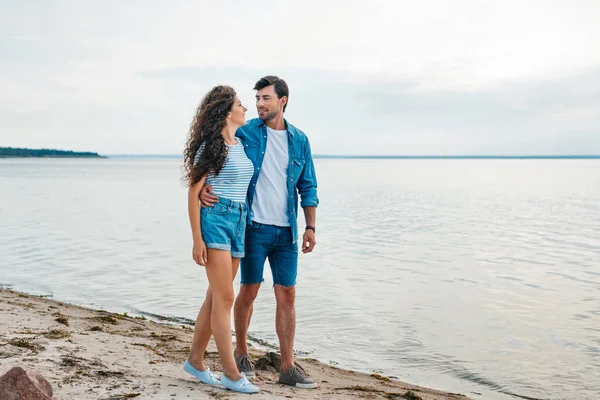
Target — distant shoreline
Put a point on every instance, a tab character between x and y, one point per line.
425	157
458	157
17	152
10	152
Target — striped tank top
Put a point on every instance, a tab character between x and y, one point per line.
233	180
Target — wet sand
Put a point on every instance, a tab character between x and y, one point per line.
95	354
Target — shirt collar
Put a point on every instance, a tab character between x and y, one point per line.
289	128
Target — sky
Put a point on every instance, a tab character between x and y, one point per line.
374	77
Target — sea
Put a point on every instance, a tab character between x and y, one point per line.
474	276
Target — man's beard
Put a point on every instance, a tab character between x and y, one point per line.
269	116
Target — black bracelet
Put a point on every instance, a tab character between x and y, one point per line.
311	228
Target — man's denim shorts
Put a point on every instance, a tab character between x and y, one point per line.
224	226
276	244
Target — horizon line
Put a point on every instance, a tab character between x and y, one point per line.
365	156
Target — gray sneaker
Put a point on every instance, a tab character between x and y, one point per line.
297	377
244	365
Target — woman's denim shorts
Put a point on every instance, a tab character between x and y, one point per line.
224	226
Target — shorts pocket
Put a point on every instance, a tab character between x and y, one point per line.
254	227
218	209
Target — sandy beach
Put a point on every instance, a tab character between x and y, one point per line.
95	354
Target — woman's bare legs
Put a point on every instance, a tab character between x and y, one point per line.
219	272
202	333
202	329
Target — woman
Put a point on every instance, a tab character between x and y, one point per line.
214	155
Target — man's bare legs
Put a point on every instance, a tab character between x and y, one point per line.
242	314
285	323
285	319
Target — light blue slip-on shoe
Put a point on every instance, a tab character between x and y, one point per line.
241	386
205	376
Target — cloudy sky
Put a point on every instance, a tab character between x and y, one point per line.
366	77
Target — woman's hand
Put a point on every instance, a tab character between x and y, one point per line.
199	253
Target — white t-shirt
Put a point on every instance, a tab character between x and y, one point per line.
270	197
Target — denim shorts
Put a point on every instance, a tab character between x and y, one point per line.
275	243
224	225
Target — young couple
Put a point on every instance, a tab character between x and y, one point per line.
247	175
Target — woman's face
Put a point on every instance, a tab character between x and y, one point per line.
237	115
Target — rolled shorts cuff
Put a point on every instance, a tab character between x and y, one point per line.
218	246
237	254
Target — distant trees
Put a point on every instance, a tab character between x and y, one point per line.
18	152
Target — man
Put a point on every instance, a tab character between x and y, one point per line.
283	169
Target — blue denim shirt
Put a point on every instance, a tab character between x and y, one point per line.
300	172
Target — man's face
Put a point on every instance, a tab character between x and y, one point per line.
267	103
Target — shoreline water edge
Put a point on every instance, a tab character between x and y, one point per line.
96	354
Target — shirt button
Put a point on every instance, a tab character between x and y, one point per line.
263	152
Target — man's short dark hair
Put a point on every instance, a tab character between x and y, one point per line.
281	88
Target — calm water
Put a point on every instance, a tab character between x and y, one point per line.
474	276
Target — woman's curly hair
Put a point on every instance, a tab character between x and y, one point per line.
205	132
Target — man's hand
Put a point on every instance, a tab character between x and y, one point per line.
308	241
206	198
